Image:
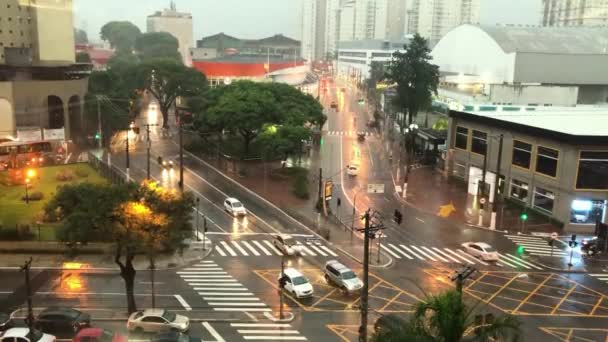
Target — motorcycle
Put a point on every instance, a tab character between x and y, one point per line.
590	247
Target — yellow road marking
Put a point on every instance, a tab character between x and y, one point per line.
501	288
599	301
532	293
563	299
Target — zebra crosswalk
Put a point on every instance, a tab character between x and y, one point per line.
447	255
538	246
223	293
600	276
349	133
237	248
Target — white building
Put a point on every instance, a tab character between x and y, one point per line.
542	66
432	19
575	13
320	28
356	57
364	19
178	24
396	19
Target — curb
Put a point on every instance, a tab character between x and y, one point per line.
291	317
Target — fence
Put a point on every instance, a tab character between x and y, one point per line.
111	173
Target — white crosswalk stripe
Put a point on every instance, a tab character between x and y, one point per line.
268	332
349	133
600	276
538	246
434	254
245	248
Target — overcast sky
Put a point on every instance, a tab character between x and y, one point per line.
255	18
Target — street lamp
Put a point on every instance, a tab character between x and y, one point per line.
27	184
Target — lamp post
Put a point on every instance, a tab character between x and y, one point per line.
27	184
409	142
198	200
29	175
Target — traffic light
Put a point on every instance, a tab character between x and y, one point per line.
520	249
398	217
97	136
322	141
523	216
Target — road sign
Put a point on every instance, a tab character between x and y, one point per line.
375	188
482	200
553	236
329	185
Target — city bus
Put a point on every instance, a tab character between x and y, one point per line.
14	154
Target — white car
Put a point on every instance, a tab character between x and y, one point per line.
234	207
23	335
287	244
481	250
157	320
296	283
352	170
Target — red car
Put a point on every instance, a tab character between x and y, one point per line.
98	335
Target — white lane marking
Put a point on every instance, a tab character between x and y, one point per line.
206	281
256	253
435	254
202	272
272	247
445	254
220	304
183	302
236	245
598	274
226	247
269	338
514	261
316	249
306	249
258	233
213	332
423	252
411	252
329	251
191	276
243	309
390	252
255	242
401	252
247	299
219	250
506	262
208	262
458	256
202	269
224	288
524	262
278	332
260	325
225	294
369	151
476	259
417	219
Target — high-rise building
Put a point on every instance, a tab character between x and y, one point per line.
574	13
178	24
320	28
363	19
41	87
434	18
396	19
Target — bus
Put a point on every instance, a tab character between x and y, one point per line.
16	154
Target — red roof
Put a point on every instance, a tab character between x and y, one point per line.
217	69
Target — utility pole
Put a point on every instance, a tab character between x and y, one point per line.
99	142
30	311
320	187
481	188
497	201
181	151
461	276
198	200
204	231
152	269
148	147
364	291
127	156
281	316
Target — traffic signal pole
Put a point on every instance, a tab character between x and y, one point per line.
30	311
364	291
497	202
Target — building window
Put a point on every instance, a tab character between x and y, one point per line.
479	143
585	211
543	199
519	190
522	154
546	161
462	138
460	171
592	170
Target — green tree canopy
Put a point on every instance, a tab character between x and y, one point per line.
80	36
167	79
154	45
121	35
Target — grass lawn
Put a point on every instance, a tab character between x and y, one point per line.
13	210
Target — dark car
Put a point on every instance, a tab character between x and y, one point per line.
62	320
175	336
5	321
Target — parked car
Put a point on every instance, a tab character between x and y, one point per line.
98	335
5	321
481	250
174	336
157	320
60	320
333	105
342	276
287	244
25	335
234	207
295	282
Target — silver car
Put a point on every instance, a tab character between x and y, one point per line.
342	276
157	320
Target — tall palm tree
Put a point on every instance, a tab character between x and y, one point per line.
444	318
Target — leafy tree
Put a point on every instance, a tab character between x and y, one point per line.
80	36
444	317
296	108
122	61
83	57
121	35
155	45
285	140
137	220
167	79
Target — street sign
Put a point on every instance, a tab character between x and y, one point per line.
482	200
329	185
375	188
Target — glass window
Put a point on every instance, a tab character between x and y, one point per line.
519	190
479	143
585	211
546	161
592	171
460	170
462	138
522	154
543	199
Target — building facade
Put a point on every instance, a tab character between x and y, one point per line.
396	19
41	87
320	28
222	45
178	24
364	20
356	57
574	13
554	160
432	19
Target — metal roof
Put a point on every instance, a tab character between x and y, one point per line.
558	40
372	44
